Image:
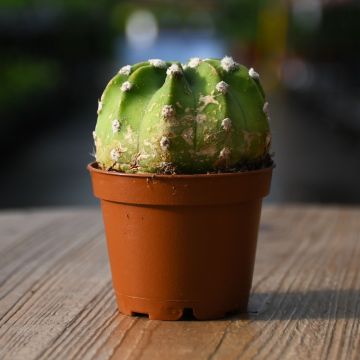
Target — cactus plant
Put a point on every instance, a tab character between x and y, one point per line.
164	117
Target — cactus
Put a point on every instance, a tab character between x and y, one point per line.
164	117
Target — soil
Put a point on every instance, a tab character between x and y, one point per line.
265	162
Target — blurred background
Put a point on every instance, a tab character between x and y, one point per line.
57	56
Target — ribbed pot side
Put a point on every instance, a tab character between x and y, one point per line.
180	242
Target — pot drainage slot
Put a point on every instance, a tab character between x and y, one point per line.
138	314
188	315
231	313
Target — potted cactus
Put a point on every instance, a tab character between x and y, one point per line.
182	165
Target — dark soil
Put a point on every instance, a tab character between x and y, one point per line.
265	162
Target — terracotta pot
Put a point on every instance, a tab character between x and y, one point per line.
180	242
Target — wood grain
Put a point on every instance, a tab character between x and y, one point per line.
56	300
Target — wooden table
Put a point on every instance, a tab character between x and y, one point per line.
56	300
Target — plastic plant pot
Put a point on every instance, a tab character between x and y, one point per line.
181	242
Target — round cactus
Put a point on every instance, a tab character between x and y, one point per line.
164	117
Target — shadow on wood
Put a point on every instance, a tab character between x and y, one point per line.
313	304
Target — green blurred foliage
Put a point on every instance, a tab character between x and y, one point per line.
22	78
335	38
68	5
239	18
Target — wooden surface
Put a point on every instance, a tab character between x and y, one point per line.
56	300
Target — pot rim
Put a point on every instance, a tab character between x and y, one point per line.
92	167
169	190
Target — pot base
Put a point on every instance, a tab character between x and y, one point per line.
175	310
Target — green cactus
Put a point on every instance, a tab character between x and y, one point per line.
164	117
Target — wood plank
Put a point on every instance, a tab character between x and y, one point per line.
56	300
16	225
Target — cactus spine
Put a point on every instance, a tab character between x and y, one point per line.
162	117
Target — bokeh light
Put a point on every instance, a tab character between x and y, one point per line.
141	29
